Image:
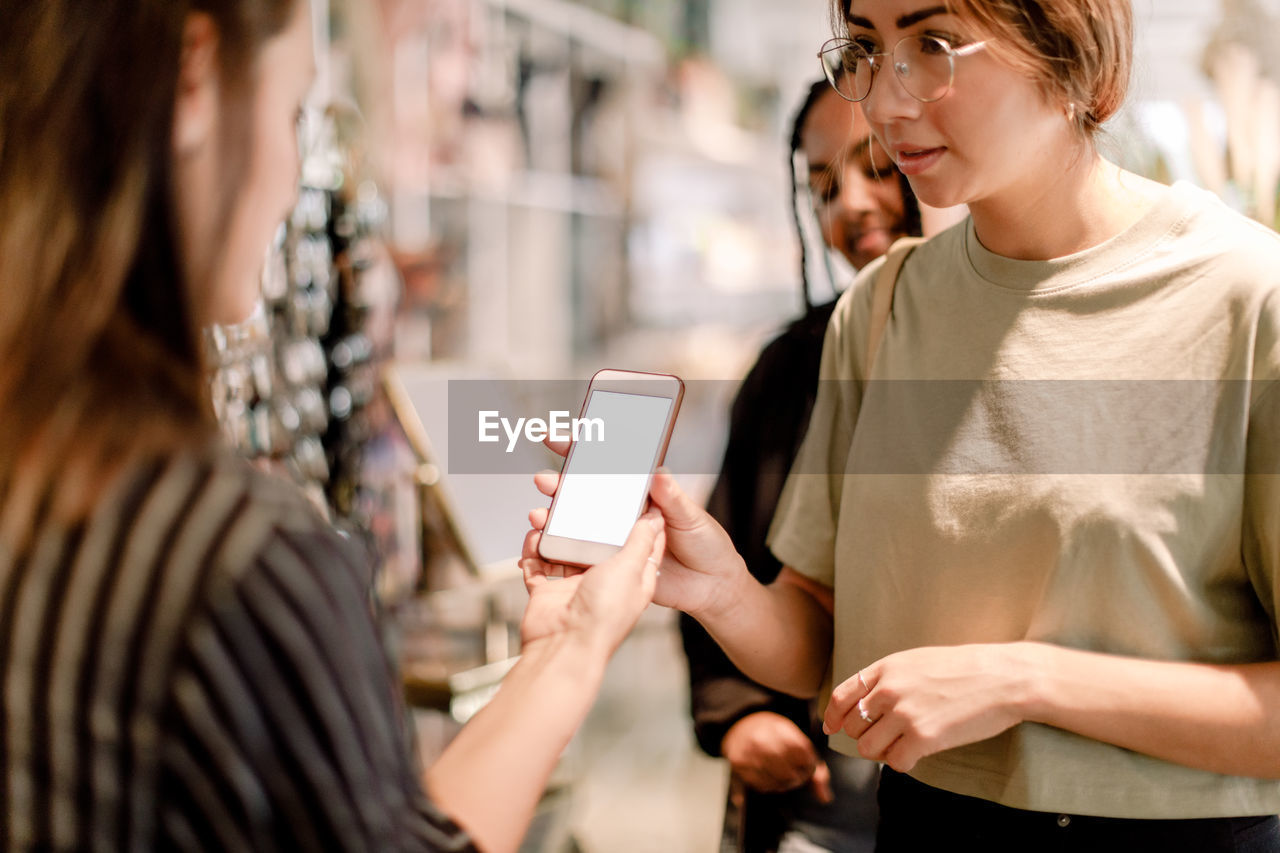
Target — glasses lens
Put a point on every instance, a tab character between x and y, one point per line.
925	67
847	68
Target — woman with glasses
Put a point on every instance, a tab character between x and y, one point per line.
1035	535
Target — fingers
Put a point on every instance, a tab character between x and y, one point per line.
547	482
531	565
844	704
678	509
641	553
880	737
796	765
769	780
784	769
865	715
770	752
821	783
560	448
535	569
653	562
642	544
800	755
529	552
890	737
535	573
759	780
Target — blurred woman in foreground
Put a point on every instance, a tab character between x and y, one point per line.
187	654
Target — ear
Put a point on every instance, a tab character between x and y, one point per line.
195	110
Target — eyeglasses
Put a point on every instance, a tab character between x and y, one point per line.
925	65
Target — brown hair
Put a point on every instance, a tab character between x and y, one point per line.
1079	51
100	355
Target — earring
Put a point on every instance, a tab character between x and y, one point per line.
1071	112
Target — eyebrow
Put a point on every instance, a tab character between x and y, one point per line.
907	20
856	151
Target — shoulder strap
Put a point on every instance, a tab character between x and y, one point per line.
882	294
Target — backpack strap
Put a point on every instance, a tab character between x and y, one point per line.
882	294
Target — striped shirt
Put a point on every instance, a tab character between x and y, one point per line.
195	667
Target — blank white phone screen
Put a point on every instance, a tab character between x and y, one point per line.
604	485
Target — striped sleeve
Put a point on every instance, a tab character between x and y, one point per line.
284	730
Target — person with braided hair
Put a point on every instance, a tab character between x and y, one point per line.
790	791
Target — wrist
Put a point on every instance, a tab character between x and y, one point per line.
728	740
735	584
574	654
755	719
733	730
1031	664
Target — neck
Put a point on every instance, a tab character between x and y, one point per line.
1064	211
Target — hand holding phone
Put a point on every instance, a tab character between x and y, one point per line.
620	438
699	567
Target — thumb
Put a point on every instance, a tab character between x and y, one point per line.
678	509
821	783
640	542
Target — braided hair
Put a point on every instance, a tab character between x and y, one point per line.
816	91
910	206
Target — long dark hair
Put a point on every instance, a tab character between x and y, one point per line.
99	349
910	206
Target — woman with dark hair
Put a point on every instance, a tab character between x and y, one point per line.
1034	534
187	652
793	790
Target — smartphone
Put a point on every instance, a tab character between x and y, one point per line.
618	440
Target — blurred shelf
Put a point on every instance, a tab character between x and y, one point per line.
553	191
589	27
461	694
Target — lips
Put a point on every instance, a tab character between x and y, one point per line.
870	237
916	159
871	242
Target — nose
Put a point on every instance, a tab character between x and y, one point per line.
857	193
888	101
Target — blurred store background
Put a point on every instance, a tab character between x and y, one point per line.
535	189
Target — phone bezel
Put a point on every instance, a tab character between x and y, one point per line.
581	552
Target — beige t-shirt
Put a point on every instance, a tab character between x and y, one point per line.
1083	452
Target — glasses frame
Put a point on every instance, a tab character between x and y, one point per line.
841	43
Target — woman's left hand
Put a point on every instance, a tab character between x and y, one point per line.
922	701
600	605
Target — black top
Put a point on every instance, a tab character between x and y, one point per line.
767	423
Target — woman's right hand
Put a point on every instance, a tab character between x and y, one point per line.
700	570
772	754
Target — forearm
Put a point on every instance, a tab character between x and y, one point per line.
1225	719
720	695
492	775
778	635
